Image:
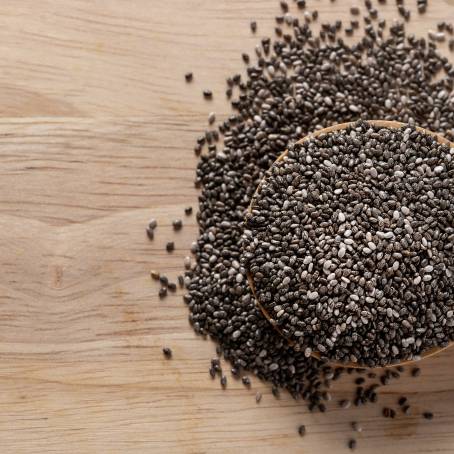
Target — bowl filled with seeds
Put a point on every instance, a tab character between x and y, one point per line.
349	244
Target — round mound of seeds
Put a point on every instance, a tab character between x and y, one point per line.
350	244
304	79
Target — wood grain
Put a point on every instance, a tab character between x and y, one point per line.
96	133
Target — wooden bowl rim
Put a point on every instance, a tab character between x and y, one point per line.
390	124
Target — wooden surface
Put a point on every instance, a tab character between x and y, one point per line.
96	134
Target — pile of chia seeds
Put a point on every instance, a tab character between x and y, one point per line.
350	244
300	82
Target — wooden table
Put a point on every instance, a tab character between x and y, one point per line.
96	135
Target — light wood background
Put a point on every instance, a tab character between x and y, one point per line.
97	128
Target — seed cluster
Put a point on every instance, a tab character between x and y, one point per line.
350	243
329	83
301	82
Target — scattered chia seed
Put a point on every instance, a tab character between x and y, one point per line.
188	77
167	352
246	381
352	444
302	430
253	26
150	233
180	281
345	404
154	274
162	292
187	262
223	381
172	287
416	372
207	94
428	415
188	211
177	224
170	246
258	397
211	118
164	280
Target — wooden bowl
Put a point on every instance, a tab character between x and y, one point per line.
380	123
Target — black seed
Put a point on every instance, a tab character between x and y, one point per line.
246	381
253	26
302	430
406	410
188	77
170	246
167	352
416	372
207	94
223	381
162	292
188	211
352	444
344	403
177	224
172	287
150	233
154	274
164	280
428	415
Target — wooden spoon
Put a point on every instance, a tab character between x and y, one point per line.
383	124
